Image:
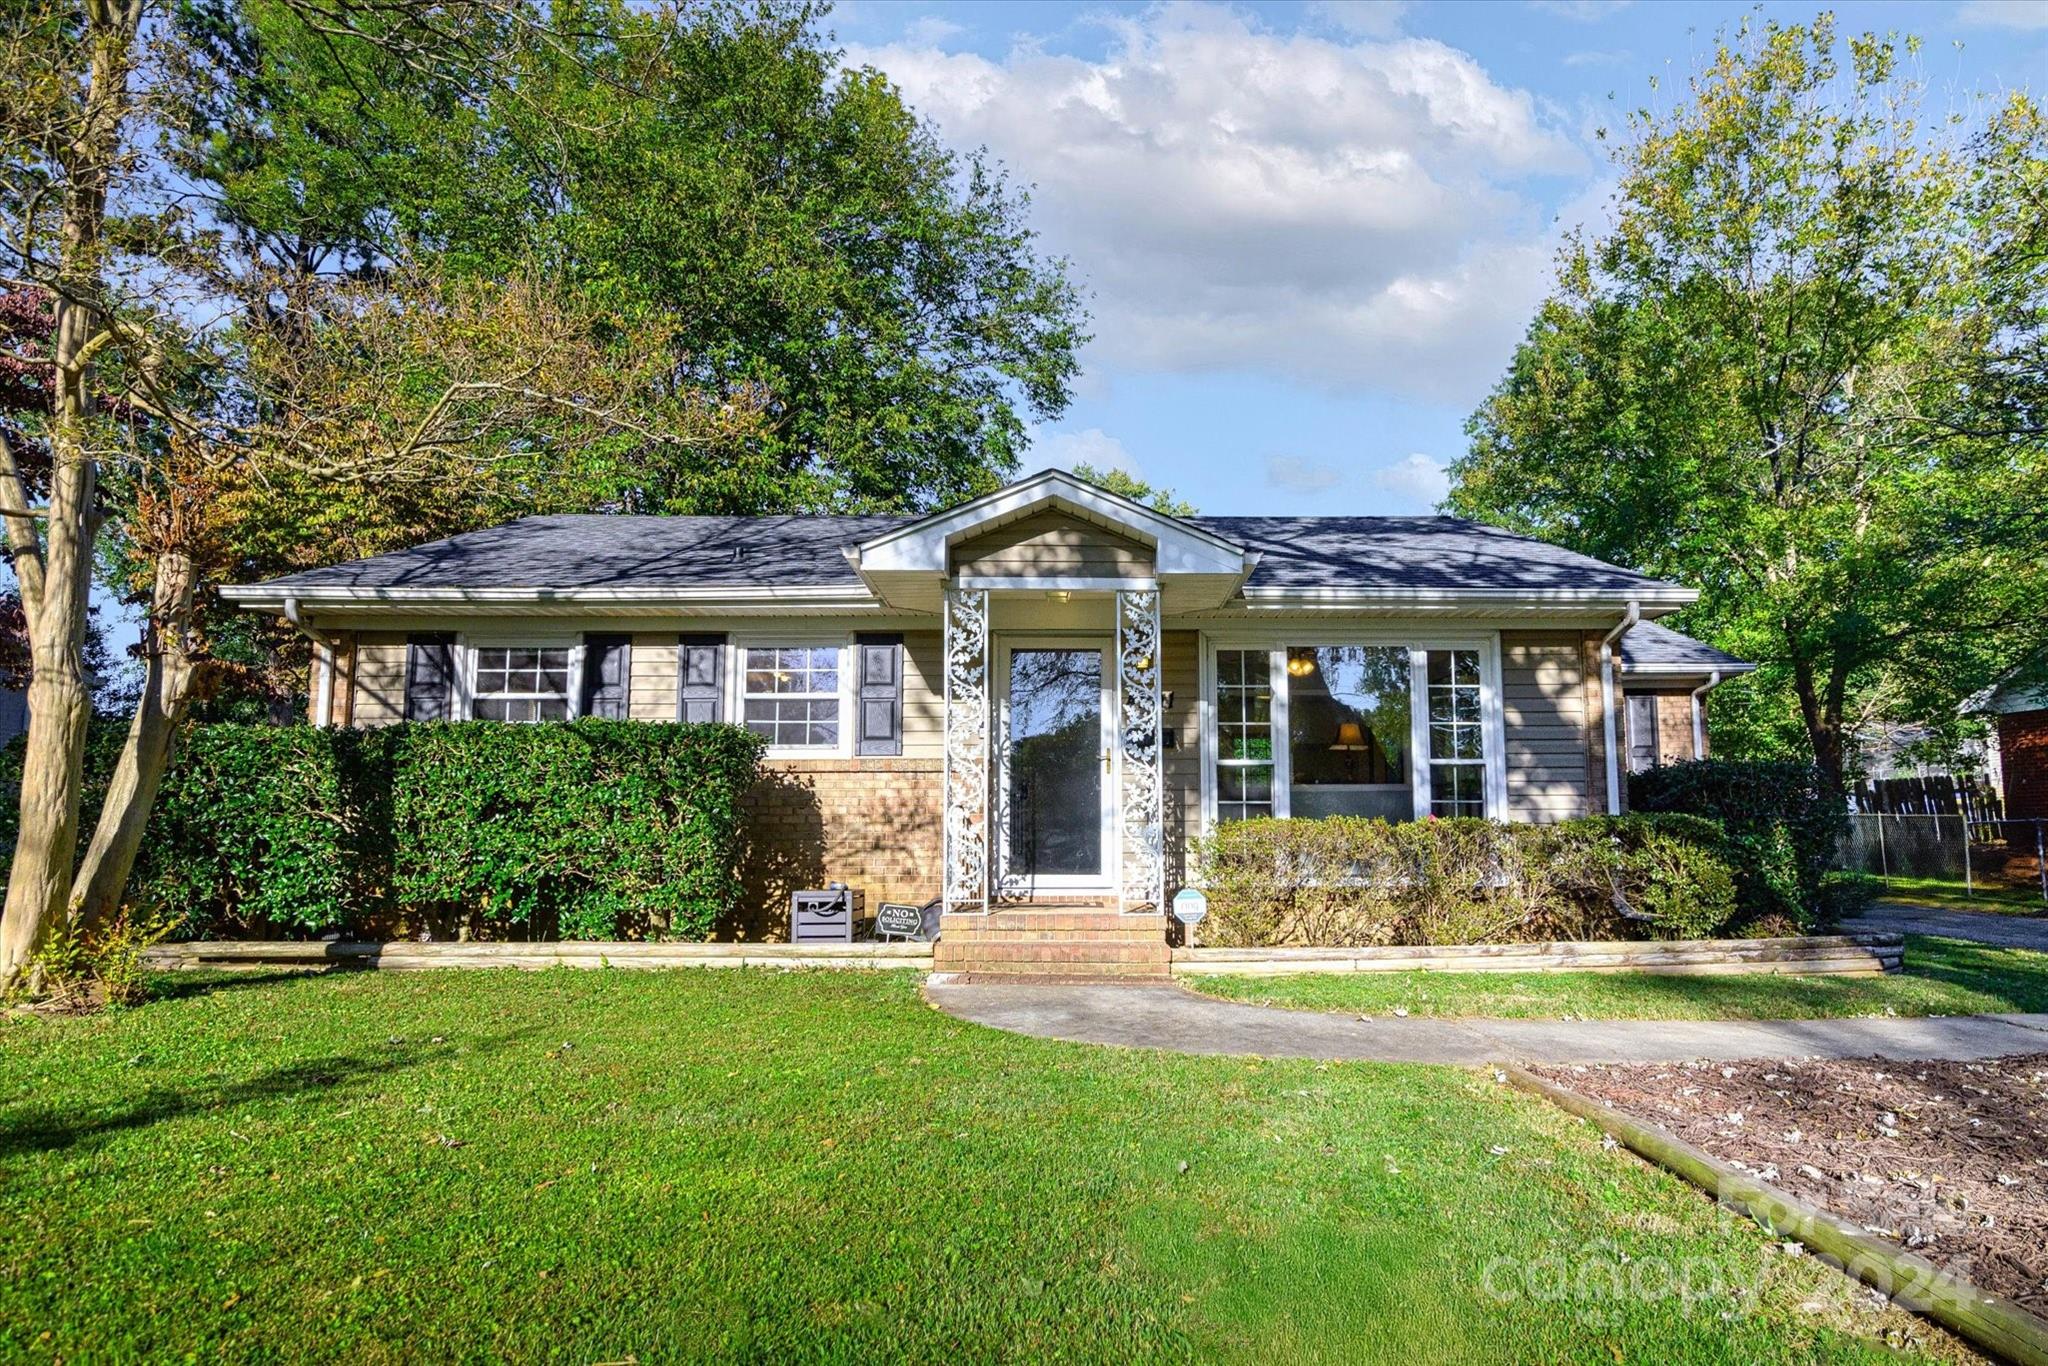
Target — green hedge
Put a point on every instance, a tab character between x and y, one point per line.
590	830
1348	881
1785	824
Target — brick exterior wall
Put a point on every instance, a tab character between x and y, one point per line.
2023	751
873	824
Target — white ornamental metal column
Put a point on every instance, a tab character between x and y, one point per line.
1140	819
966	782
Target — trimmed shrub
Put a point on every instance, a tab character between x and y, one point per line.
1784	822
1351	882
589	830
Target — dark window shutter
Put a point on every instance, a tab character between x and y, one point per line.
700	678
1642	734
430	677
879	660
607	672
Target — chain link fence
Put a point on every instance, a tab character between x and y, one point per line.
1995	859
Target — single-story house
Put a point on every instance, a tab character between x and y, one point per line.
1040	696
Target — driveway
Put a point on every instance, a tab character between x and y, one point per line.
1984	927
1170	1018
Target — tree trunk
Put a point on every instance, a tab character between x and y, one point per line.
55	567
59	705
1823	718
152	736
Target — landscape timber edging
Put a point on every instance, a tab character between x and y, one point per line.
1989	1321
406	955
1808	955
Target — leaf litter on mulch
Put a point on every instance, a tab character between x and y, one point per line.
1949	1159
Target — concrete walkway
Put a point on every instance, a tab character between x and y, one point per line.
1984	927
1170	1018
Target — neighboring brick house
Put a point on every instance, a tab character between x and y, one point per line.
2019	715
1040	696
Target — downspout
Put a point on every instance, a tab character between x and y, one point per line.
323	665
1629	618
1699	714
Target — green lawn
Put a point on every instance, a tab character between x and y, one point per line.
587	1166
1941	977
2003	898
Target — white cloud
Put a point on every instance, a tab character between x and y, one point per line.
1420	477
1343	212
930	29
1299	475
2025	14
1090	446
1580	11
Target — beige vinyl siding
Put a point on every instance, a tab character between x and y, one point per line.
1544	692
651	687
379	678
924	695
1052	543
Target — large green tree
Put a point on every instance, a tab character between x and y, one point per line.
1769	378
713	167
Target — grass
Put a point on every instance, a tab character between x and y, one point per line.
1941	977
1953	893
591	1165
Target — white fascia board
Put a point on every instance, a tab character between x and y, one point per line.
262	596
1667	670
922	546
1655	601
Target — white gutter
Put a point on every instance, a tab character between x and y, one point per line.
1629	618
260	596
323	665
1699	715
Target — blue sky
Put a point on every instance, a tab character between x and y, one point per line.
1311	233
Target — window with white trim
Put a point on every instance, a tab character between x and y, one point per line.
790	696
1244	734
520	683
1457	745
1353	728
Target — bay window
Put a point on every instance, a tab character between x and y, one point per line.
1315	729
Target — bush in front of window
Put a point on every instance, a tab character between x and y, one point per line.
1785	823
585	830
1352	882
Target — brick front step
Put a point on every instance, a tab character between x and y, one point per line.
1048	942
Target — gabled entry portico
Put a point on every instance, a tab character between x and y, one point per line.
1051	593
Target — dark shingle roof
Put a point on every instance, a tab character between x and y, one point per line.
1410	552
592	551
605	551
1659	647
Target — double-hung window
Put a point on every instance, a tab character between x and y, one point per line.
521	683
1457	747
1244	734
790	695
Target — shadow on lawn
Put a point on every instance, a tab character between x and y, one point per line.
188	984
48	1130
2012	983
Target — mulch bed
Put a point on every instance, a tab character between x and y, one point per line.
1949	1159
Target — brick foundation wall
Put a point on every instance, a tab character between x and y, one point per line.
2023	751
873	824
